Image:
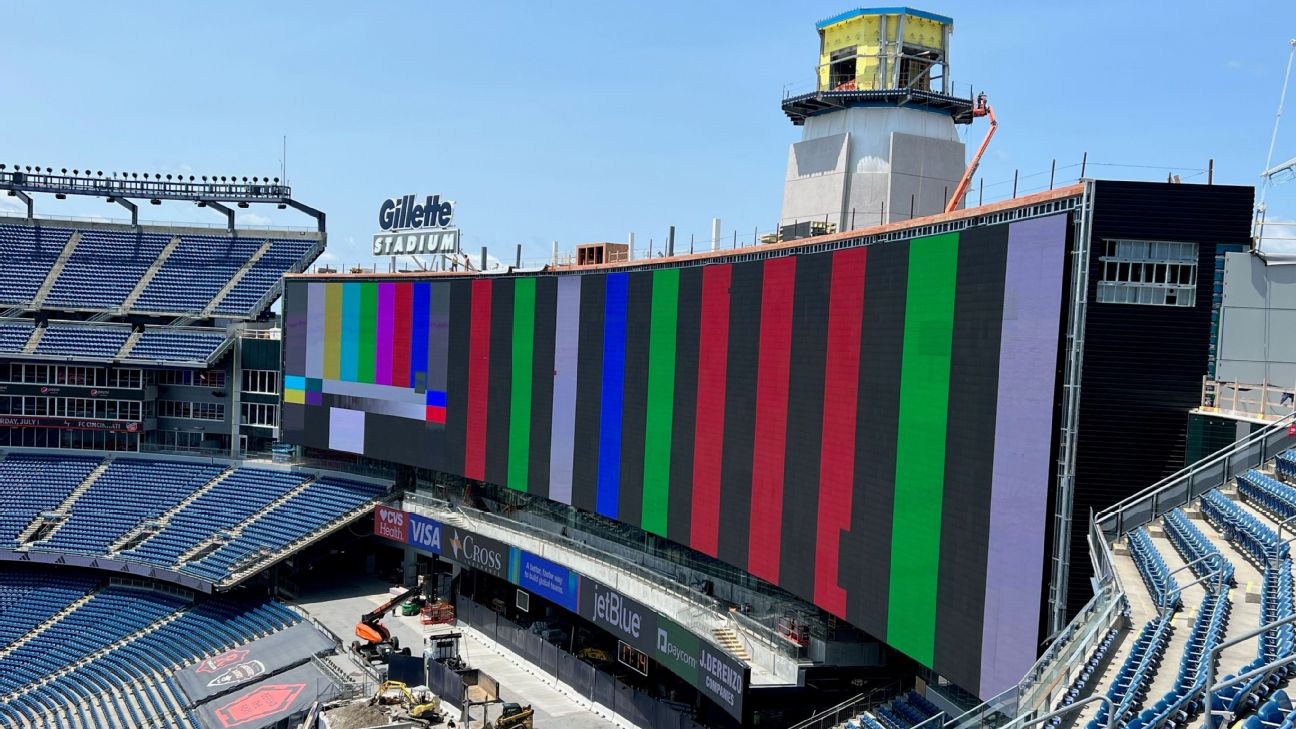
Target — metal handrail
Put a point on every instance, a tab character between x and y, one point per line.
1222	456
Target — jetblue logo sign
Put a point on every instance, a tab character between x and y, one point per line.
405	213
627	619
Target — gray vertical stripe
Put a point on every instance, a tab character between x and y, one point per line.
438	335
566	346
1028	351
315	329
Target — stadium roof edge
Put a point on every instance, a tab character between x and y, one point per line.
1059	193
190	228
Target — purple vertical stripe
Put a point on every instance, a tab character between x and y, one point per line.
385	333
315	304
1028	354
566	345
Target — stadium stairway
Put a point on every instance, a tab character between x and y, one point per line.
728	640
152	270
216	540
56	269
147	529
25	536
129	344
234	280
1177	678
62	613
34	340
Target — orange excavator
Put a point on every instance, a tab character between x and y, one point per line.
378	640
982	108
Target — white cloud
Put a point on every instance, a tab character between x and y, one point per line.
252	219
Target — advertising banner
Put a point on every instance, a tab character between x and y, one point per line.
119	393
390	523
236	667
424	533
474	550
549	580
269	702
628	620
36	421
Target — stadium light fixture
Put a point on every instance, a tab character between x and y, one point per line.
110	199
202	204
60	196
155	201
243	205
281	206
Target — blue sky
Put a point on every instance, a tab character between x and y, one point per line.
578	122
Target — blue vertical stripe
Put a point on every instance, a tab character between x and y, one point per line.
349	366
614	344
422	314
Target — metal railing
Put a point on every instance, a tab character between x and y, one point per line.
1193	481
850	708
704	604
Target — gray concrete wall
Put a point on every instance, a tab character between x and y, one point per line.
1258	322
869	162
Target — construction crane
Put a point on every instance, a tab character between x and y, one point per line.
378	640
982	108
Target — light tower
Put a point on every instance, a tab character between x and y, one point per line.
880	143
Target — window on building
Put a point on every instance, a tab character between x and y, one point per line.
190	410
264	382
1159	273
263	414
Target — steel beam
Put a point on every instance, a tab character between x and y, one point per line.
132	207
228	212
26	200
317	214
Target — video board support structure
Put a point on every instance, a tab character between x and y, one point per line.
1074	365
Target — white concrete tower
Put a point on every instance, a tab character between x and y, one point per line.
880	143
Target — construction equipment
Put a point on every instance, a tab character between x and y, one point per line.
982	108
378	641
427	711
516	716
437	613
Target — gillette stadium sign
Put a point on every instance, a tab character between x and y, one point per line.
413	227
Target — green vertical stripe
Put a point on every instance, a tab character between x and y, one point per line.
332	330
519	457
368	331
920	450
661	400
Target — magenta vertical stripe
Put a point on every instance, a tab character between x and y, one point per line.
1028	353
385	333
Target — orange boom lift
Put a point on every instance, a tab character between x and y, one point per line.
983	108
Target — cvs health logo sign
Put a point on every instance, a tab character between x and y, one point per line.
390	523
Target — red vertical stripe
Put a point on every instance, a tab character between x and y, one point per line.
401	334
837	446
478	379
778	285
708	437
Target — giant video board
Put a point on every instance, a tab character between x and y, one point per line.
870	428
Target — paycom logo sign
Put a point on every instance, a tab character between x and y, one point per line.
677	649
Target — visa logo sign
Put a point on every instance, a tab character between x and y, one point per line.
425	533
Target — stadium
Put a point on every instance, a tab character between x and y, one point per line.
907	461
